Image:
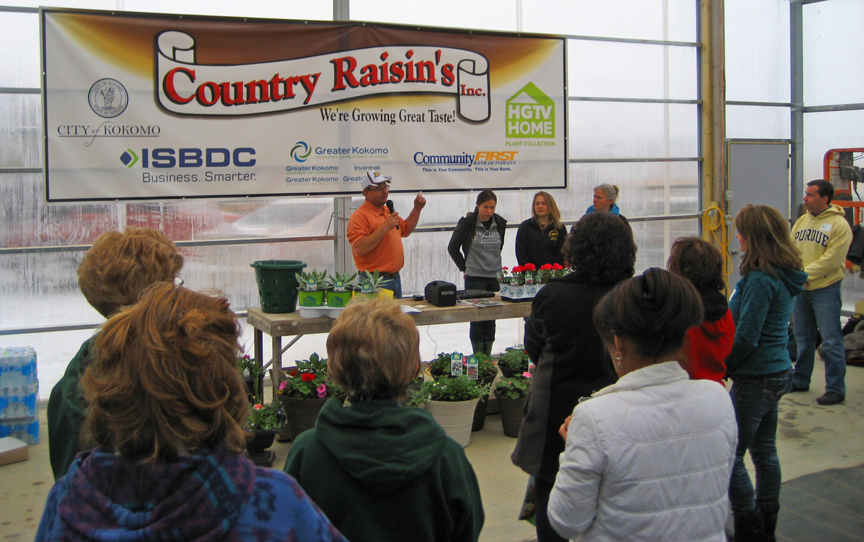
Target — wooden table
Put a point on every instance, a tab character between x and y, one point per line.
291	324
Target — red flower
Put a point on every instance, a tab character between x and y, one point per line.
529	267
307	377
294	372
258	406
505	269
546	267
557	267
518	269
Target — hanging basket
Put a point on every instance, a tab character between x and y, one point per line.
455	417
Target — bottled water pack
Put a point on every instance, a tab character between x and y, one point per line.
19	392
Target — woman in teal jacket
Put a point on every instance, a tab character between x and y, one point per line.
759	366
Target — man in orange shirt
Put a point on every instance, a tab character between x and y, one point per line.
376	234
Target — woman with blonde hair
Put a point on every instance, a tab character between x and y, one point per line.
381	471
114	272
759	366
166	410
541	238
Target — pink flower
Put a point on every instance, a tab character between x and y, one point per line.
258	407
527	374
282	385
322	390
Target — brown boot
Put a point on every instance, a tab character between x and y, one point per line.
749	526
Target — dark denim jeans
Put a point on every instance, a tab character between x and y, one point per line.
820	309
755	401
482	332
395	285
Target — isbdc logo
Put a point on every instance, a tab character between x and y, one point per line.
189	158
301	151
530	113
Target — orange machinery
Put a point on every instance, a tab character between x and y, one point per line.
838	168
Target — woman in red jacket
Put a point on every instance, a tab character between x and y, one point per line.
706	345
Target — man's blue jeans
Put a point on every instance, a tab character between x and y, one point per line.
395	285
820	309
755	401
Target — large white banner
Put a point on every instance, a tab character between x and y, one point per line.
156	107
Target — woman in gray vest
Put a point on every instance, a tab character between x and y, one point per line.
476	248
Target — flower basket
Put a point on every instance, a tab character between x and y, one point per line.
511	414
301	414
512	392
455	417
461	390
514	361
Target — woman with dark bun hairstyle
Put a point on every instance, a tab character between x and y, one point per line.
708	343
166	407
571	360
771	276
647	457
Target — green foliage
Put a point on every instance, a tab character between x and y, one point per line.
264	417
514	358
310	380
441	365
321	280
460	388
373	279
248	366
347	280
514	387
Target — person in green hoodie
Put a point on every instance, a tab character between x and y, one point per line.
380	471
759	365
823	236
113	273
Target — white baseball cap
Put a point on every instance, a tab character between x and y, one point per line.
373	179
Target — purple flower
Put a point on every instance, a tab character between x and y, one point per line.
322	390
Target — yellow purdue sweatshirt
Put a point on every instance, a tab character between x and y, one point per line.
823	242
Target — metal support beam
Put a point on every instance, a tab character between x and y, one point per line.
712	112
796	54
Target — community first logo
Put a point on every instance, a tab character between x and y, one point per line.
530	114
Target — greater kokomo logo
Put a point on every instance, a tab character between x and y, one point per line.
301	151
108	98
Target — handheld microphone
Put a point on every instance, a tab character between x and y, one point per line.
389	205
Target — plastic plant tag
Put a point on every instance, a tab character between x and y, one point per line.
531	366
456	364
311	285
339	286
473	367
366	288
529	277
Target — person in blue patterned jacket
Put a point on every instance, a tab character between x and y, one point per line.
166	410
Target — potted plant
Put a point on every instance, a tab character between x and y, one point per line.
451	401
514	361
310	293
253	376
512	392
486	372
370	285
303	392
341	292
263	423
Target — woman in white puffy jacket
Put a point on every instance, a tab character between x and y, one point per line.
649	457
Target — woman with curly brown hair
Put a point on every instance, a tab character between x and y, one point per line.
114	272
166	408
571	359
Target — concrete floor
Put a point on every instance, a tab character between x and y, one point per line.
811	438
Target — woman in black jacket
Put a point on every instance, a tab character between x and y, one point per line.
475	247
541	238
571	359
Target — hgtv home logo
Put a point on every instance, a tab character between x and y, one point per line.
530	113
